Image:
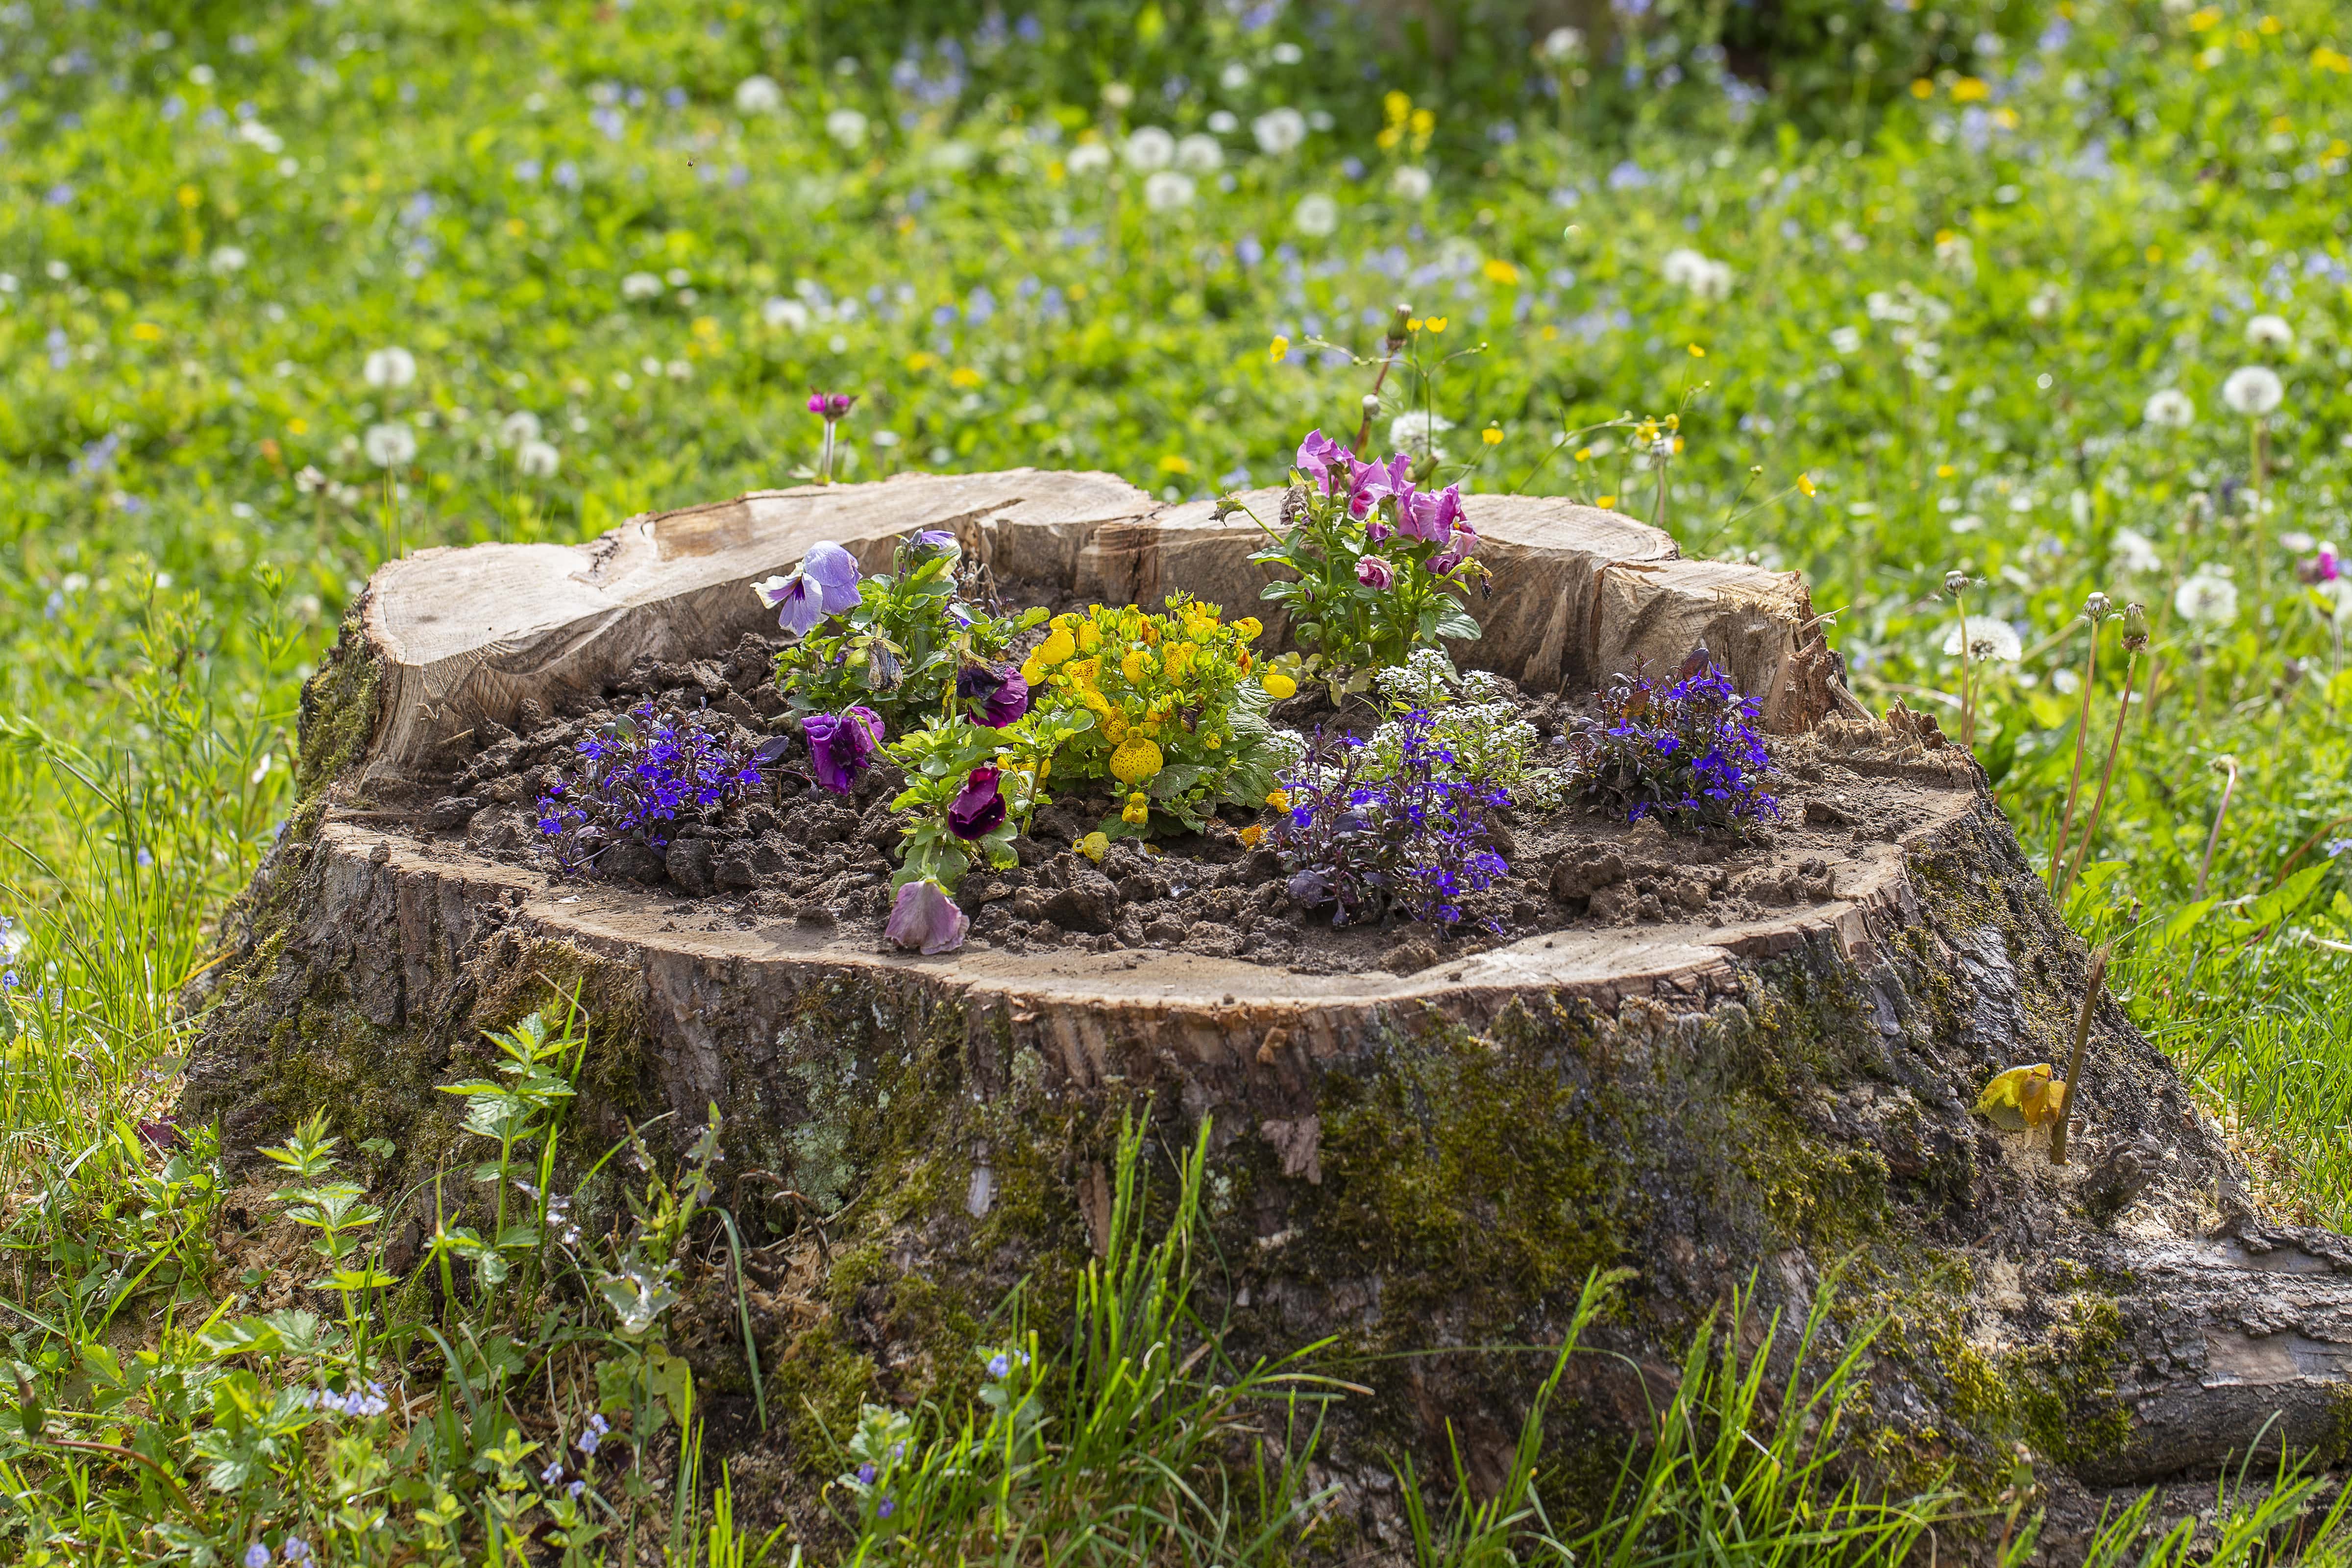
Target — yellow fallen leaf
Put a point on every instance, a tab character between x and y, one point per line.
2023	1097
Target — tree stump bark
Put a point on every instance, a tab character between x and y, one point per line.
1424	1163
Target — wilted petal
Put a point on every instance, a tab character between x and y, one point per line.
924	917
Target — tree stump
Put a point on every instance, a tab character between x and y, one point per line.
1422	1163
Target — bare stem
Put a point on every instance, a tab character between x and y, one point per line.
2082	738
2220	813
2099	801
1967	702
2074	1062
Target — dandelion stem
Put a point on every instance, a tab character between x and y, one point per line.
2074	1063
1967	700
2099	801
2082	738
2220	813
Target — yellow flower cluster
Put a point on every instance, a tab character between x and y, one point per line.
1161	688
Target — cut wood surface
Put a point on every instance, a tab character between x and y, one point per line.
472	634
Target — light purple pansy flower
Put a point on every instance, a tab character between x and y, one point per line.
924	917
1317	454
823	583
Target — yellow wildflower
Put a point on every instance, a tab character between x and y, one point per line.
1136	760
1278	684
1280	350
1094	846
1138	810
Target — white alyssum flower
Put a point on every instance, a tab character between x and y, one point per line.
516	428
2169	409
389	444
1691	270
1412	183
847	127
2208	598
640	286
1316	215
2269	331
1990	640
1201	154
2253	390
390	367
1279	131
757	95
536	459
2136	553
1088	158
788	314
1414	430
1166	190
1149	147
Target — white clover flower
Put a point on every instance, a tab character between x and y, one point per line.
390	367
1167	190
1279	131
1201	155
790	314
1412	183
2136	554
640	286
2254	389
1415	430
1316	215
536	459
847	127
1845	340
2208	598
2269	331
1088	158
757	95
1149	148
1990	640
390	444
516	428
2169	410
228	258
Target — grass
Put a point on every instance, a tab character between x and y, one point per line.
1955	277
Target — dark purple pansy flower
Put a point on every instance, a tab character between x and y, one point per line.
978	807
996	694
841	745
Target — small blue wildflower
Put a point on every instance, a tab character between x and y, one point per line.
866	1474
257	1556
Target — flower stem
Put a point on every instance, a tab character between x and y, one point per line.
2099	801
2082	737
2220	813
2074	1063
1968	701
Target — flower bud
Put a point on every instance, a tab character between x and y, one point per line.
1399	326
1956	582
2135	628
2095	607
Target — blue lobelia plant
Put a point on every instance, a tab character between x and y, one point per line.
641	774
1689	757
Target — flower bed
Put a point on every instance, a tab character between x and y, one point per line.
912	762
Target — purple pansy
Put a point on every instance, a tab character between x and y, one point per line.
841	745
924	917
996	694
823	583
1374	571
1317	454
978	807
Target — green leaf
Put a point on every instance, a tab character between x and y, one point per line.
1457	623
2185	920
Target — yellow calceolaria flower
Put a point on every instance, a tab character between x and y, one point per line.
1251	834
1277	684
1059	647
2024	1098
1279	800
1247	628
1136	759
1138	810
1094	846
1135	666
1089	637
